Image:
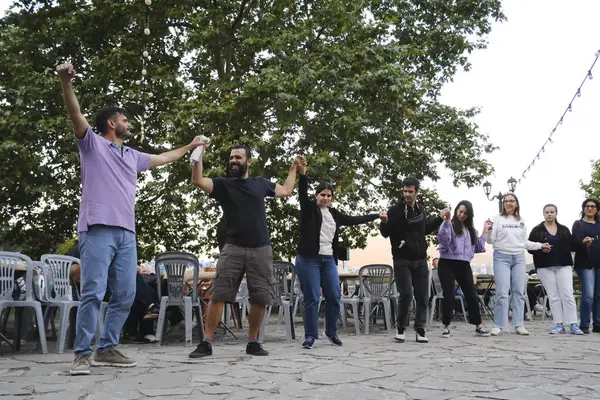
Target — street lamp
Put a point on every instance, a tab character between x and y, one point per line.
487	189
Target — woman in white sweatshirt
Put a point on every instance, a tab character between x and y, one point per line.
509	237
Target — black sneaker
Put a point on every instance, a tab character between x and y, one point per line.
334	339
153	312
204	349
596	329
256	349
308	343
585	330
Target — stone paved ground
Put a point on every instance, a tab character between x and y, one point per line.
463	367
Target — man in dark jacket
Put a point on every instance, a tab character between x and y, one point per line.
406	225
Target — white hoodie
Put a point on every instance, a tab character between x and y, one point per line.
509	236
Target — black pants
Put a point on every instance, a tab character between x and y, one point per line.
412	276
146	294
460	271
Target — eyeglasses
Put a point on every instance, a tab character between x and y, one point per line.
590	206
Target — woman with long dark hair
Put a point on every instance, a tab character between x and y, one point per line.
587	263
555	269
317	254
509	237
458	243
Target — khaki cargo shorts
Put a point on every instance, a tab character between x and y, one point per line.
255	263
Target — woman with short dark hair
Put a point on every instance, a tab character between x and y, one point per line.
317	254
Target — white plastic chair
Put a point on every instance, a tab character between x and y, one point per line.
438	294
175	264
58	292
8	264
376	287
284	298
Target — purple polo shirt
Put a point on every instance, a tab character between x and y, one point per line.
108	180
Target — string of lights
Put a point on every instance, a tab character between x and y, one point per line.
143	82
588	76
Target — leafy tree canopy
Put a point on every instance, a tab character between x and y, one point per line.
351	84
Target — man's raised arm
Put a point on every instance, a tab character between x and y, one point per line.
287	189
66	73
206	184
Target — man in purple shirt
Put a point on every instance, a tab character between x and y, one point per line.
106	224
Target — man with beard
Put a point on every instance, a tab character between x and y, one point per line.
247	247
106	224
406	225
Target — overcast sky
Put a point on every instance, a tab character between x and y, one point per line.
523	82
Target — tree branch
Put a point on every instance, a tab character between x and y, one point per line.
239	17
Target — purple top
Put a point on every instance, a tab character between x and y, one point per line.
453	247
108	180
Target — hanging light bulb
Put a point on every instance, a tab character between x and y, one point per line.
578	92
597	53
590	77
144	72
149	58
543	149
145	53
561	121
148	2
550	140
570	107
146	31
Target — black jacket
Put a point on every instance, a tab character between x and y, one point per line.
568	244
310	223
413	234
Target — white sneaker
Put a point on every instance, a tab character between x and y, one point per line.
495	331
421	338
401	337
522	331
446	333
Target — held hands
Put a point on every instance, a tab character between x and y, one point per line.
65	72
383	217
546	247
199	141
445	214
588	240
487	226
300	163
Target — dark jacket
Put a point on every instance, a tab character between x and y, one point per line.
568	244
583	259
310	223
398	229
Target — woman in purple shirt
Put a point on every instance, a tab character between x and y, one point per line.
458	244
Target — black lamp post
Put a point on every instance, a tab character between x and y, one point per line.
487	189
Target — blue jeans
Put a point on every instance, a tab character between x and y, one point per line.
315	273
509	274
108	255
590	296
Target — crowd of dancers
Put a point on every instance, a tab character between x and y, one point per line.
106	228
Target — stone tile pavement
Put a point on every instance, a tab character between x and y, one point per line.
462	367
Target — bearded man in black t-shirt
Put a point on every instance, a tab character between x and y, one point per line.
247	247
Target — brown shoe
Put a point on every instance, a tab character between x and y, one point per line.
113	358
81	365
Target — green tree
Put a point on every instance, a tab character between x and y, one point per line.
592	188
351	84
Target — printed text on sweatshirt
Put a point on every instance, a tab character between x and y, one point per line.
509	235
